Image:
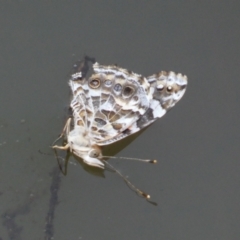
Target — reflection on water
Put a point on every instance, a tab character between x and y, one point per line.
53	202
10	217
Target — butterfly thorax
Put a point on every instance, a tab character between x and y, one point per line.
81	145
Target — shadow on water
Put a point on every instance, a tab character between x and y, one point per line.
110	150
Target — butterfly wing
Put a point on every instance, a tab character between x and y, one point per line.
168	88
109	102
115	103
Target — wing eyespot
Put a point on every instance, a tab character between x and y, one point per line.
135	98
160	87
108	83
169	89
117	87
128	91
94	83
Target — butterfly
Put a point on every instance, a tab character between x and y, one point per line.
112	104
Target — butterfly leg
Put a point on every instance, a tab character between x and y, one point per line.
63	169
65	131
66	147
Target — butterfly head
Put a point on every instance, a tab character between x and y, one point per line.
92	158
80	146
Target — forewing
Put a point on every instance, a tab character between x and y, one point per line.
115	103
109	102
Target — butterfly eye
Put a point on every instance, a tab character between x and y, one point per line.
94	153
128	91
94	83
169	89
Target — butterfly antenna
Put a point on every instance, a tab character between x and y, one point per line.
134	188
133	159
